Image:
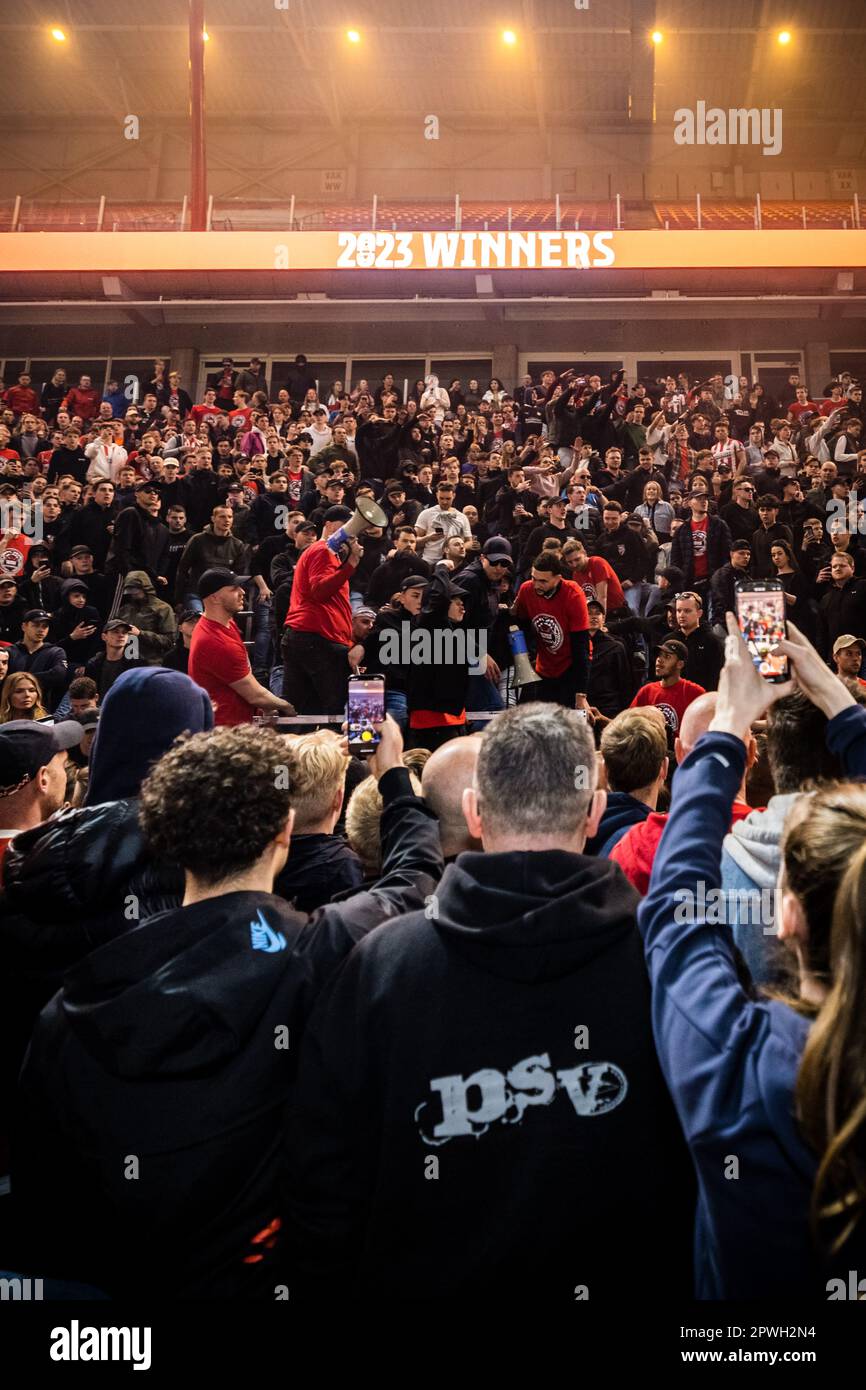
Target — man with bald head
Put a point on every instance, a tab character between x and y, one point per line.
636	850
447	773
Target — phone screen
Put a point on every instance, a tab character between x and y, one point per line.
366	710
761	616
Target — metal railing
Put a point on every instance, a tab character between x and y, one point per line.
104	214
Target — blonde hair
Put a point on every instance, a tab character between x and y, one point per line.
824	855
10	685
363	816
319	774
634	746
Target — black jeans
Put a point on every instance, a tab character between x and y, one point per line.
315	673
550	690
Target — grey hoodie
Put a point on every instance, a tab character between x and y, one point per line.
751	855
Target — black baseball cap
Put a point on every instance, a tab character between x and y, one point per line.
339	513
306	526
677	649
188	615
594	603
146	487
36	615
414	581
115	624
80	550
214	580
497	546
26	745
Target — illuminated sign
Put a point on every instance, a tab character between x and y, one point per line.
116	252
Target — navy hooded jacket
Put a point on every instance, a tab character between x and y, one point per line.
731	1061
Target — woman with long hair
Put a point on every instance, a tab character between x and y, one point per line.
656	511
21	698
771	1093
798	591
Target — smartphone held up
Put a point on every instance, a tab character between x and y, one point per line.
761	617
364	715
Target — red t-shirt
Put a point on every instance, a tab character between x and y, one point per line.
672	700
699	547
241	417
597	572
14	557
553	618
217	658
320	596
210	414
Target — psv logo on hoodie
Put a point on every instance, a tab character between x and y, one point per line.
469	1105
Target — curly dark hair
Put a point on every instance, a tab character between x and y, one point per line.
216	800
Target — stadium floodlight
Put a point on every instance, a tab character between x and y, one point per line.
784	36
353	36
58	35
509	37
657	36
205	35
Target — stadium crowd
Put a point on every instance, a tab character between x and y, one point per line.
216	1074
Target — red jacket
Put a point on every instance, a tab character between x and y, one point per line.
82	402
636	850
22	399
320	596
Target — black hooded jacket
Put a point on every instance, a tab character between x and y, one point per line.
479	1109
176	1044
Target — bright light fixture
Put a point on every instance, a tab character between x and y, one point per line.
353	36
657	36
784	36
59	35
509	37
205	35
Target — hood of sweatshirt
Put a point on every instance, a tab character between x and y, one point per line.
202	976
754	843
142	714
535	915
141	579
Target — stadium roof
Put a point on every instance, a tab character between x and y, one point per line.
583	69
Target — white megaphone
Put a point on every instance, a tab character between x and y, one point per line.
367	513
523	672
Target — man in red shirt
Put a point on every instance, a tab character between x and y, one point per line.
597	578
208	413
670	693
22	398
636	850
319	648
218	660
82	400
555	609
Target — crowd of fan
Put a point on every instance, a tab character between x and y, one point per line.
232	1084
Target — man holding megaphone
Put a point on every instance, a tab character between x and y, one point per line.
319	650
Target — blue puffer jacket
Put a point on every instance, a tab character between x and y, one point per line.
731	1062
